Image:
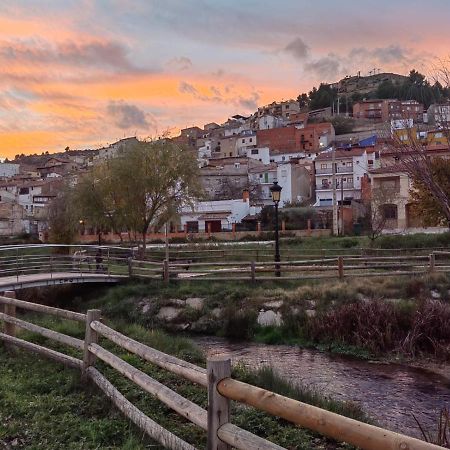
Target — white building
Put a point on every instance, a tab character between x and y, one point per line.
261	154
268	121
246	140
216	216
8	170
350	168
439	114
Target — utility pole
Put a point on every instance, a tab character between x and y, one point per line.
333	182
167	242
342	208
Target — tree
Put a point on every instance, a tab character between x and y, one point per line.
381	198
343	125
303	101
426	204
63	218
425	171
155	178
99	200
322	97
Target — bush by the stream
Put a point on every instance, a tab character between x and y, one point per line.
381	327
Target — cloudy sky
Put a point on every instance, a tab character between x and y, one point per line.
86	73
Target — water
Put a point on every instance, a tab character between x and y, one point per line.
389	393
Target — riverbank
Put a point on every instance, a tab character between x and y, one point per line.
43	405
400	318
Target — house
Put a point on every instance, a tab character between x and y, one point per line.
268	121
8	170
57	167
293	176
216	216
439	114
115	149
393	200
350	167
279	109
226	177
309	138
385	110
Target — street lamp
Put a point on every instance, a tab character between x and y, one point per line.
275	190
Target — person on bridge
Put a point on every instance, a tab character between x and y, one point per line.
98	260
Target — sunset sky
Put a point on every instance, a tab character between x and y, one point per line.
87	73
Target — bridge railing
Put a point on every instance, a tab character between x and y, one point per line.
54	260
222	434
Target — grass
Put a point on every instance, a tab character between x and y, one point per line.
43	405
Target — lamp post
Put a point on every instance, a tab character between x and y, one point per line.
275	190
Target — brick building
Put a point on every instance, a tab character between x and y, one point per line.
390	109
310	138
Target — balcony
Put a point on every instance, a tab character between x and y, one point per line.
329	170
329	186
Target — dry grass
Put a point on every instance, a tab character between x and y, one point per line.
408	327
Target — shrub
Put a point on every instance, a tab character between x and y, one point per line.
239	323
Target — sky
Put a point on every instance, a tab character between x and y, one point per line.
86	73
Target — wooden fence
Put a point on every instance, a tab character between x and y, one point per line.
294	270
221	387
19	263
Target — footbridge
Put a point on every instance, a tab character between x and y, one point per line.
26	266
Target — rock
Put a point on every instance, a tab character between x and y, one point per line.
195	303
435	294
180	326
269	318
361	297
217	313
147	306
168	313
205	325
274	304
175	302
310	312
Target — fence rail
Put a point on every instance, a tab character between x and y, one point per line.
222	434
24	263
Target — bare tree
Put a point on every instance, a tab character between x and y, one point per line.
381	199
413	154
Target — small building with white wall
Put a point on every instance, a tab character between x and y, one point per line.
216	216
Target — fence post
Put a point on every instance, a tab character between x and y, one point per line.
166	271
130	266
253	271
432	263
10	310
218	406
341	266
90	337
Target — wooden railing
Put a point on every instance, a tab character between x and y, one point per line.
302	269
17	264
222	434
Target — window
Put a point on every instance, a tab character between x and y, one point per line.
243	141
287	106
370	161
255	151
322	166
389	211
283	158
250	140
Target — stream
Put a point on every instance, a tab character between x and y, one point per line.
389	393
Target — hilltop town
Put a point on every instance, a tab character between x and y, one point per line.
346	131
